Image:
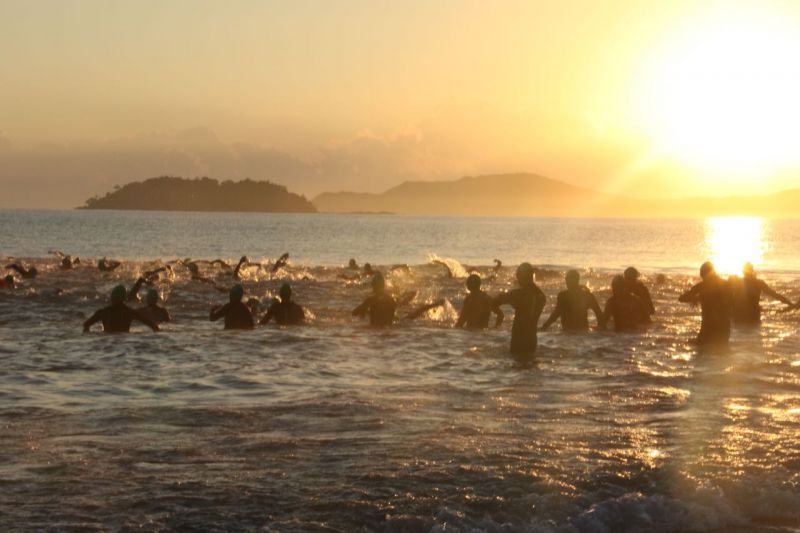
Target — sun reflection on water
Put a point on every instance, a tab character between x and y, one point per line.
733	241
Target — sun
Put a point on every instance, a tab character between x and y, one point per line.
722	94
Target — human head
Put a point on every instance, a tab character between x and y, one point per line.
192	268
631	274
473	282
378	283
572	279
152	297
706	269
525	274
352	263
66	262
236	293
10	280
617	285
748	269
285	292
118	294
367	268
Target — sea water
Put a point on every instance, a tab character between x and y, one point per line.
421	427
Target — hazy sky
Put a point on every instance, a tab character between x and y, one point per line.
644	97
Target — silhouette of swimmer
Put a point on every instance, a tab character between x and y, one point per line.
367	270
352	265
237	315
152	310
242	262
285	312
8	282
26	273
715	299
478	307
634	286
747	296
497	265
445	265
627	310
117	317
379	306
67	261
528	302
108	265
573	304
281	262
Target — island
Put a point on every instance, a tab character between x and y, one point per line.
169	193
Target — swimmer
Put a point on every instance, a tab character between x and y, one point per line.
149	274
379	306
237	315
285	312
352	265
747	293
117	317
715	299
107	265
627	310
281	262
8	282
445	265
528	302
26	273
634	286
152	310
497	265
573	304
67	261
243	261
478	307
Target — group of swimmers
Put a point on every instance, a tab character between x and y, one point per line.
630	306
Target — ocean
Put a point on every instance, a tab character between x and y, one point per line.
334	426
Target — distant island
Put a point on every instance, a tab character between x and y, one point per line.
525	194
169	193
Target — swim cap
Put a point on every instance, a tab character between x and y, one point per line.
367	268
706	269
236	293
285	292
473	282
192	268
572	276
118	294
748	269
378	283
631	273
525	273
152	297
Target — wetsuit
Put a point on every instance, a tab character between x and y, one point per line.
285	313
237	315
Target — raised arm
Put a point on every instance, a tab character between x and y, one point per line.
94	319
217	312
362	309
239	266
769	291
134	292
692	296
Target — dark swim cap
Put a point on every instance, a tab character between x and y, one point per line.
285	291
473	282
706	269
378	282
118	294
236	293
152	297
572	275
617	283
631	273
525	273
748	269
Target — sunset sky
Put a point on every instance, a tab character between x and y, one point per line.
646	98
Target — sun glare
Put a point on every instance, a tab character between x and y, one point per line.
733	241
722	94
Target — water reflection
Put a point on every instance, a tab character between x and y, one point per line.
733	241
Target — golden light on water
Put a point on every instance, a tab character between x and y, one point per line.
733	241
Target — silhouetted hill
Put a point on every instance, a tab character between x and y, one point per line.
202	194
533	195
